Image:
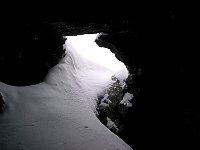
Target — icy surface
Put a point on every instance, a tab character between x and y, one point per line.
59	113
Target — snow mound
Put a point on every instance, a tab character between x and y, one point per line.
122	74
58	114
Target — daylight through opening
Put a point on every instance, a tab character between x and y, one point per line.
114	103
86	46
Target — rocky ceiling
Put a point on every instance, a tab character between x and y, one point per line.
150	39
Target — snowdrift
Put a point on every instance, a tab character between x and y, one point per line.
59	113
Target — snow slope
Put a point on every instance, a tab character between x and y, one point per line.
59	113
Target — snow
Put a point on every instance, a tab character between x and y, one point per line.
122	74
111	124
59	113
104	102
86	46
125	101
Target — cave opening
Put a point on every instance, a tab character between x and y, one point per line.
115	104
31	64
156	50
86	46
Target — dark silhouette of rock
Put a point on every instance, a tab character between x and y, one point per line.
26	59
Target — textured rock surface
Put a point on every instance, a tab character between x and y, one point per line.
114	106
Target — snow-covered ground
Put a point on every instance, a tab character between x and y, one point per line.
59	113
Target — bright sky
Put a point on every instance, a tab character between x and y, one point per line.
86	46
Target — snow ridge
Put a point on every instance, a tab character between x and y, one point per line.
58	113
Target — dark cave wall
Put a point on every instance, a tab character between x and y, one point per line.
151	39
28	51
160	42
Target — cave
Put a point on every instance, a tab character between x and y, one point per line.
149	40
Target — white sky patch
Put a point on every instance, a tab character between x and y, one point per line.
86	46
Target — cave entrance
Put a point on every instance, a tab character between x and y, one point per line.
86	46
114	104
